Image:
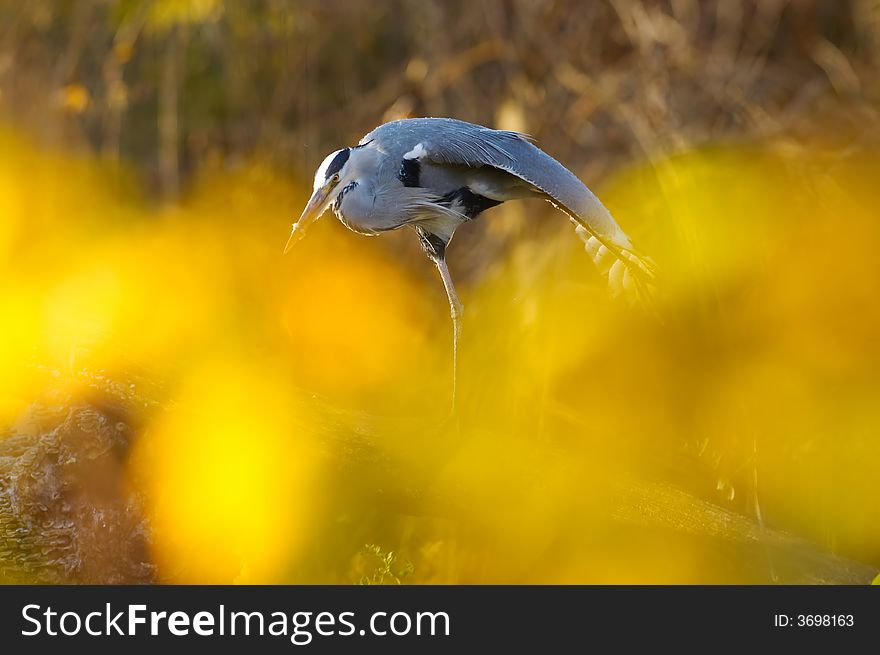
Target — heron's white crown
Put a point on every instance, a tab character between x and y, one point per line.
323	170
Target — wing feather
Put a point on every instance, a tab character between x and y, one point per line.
446	141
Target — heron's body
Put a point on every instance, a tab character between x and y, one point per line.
433	174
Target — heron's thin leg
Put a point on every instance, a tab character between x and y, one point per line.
456	309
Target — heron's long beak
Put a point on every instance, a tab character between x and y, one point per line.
311	213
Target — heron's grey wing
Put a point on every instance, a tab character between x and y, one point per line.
446	141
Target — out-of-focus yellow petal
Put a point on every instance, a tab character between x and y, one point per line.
230	479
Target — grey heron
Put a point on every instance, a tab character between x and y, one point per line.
433	174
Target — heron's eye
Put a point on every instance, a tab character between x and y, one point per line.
335	178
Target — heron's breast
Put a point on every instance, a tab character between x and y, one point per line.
353	211
353	224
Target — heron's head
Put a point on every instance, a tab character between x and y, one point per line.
333	175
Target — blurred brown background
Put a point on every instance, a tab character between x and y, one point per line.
174	85
177	86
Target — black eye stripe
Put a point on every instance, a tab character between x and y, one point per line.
338	162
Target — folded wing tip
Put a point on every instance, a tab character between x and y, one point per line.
630	275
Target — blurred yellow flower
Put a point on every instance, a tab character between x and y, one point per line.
229	476
74	98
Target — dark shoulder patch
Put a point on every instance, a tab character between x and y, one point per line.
409	173
467	202
338	162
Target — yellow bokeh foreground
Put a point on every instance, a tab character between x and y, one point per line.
305	399
230	478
